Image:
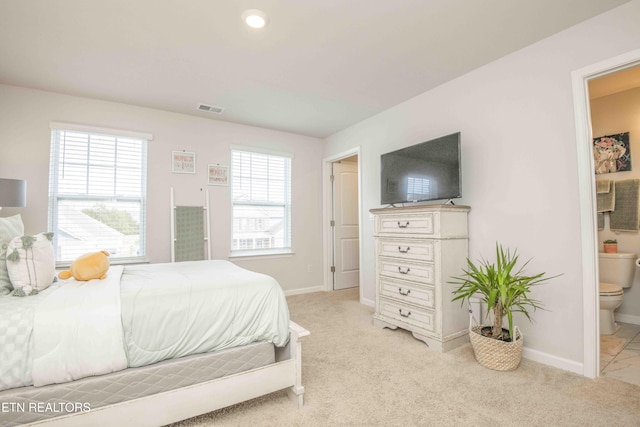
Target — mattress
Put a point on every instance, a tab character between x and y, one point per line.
30	404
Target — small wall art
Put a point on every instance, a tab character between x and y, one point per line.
183	162
611	153
218	175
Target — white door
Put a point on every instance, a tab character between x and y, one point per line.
346	239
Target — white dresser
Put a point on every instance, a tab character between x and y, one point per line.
418	249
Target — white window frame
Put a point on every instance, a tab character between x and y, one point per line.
55	196
288	247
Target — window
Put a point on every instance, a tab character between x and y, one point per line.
97	192
261	202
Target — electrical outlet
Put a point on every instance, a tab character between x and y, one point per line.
309	268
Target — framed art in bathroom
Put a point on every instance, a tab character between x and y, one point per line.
611	153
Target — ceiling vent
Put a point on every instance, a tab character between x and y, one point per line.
210	108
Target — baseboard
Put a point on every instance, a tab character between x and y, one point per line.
555	361
627	318
368	302
301	291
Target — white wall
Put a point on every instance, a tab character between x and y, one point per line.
610	115
519	163
25	138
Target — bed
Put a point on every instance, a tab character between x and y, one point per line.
149	345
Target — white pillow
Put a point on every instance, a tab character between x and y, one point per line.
31	263
10	227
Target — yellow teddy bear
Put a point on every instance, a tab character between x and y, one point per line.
88	266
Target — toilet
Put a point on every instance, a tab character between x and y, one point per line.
617	271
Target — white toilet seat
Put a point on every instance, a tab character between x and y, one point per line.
609	289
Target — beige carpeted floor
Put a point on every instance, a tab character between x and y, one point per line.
358	375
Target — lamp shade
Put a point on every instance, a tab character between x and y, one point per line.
13	193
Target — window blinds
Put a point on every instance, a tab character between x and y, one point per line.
261	199
97	189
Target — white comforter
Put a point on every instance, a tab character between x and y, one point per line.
137	316
77	331
175	309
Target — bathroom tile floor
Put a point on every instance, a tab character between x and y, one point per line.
625	365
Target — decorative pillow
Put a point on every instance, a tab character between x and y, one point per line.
31	263
10	227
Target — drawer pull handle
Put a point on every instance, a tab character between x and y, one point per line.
403	251
404	315
404	294
404	272
403	226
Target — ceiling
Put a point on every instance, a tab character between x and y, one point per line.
317	68
619	81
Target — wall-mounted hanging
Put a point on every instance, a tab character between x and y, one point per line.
183	162
611	153
218	175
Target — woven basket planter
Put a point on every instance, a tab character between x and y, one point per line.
496	354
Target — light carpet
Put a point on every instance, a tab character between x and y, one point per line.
356	374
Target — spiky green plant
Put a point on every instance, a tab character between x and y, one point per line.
504	289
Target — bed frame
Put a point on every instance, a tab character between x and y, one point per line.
180	404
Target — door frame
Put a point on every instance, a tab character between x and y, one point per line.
327	214
586	189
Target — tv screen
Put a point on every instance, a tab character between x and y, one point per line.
426	171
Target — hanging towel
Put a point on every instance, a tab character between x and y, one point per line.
600	221
603	186
605	199
625	215
605	196
189	244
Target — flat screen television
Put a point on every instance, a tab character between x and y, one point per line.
426	171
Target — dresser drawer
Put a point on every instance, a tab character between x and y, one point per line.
400	269
423	319
424	296
405	224
420	250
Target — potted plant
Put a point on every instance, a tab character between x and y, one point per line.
505	290
610	246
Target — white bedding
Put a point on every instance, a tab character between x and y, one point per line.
77	331
174	309
16	336
137	316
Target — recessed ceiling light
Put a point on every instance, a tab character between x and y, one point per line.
255	18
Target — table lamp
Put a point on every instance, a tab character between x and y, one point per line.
13	193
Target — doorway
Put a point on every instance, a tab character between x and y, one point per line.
342	227
586	184
614	104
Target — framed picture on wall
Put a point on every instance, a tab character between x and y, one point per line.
218	175
183	162
611	153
